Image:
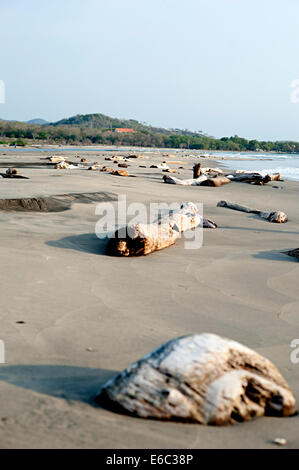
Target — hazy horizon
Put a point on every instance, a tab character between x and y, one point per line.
224	68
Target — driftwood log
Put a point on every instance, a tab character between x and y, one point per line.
119	173
202	180
188	182
277	217
200	378
253	178
142	239
196	170
216	181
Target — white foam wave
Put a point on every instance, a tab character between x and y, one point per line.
285	172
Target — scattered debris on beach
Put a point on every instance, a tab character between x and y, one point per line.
142	239
203	378
170	170
277	217
186	182
119	173
280	441
217	177
160	166
216	181
106	169
13	173
56	159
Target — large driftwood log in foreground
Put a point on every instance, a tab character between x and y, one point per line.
142	239
200	378
277	217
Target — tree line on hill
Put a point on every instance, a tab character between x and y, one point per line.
67	133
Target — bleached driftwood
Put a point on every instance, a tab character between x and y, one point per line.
211	170
217	181
278	217
170	170
188	182
160	166
202	180
56	159
200	378
67	166
142	239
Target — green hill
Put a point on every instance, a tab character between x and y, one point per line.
101	121
96	129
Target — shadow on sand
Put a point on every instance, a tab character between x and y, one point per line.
67	382
276	255
87	242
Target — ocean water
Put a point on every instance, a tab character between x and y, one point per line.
285	164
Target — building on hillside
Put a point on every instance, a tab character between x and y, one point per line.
123	129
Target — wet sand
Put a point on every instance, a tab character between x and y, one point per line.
87	315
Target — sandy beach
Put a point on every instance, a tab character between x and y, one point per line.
72	316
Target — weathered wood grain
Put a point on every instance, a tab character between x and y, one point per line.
200	378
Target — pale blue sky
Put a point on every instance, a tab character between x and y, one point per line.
222	66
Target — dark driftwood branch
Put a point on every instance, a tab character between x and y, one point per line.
142	239
201	378
254	178
278	217
293	253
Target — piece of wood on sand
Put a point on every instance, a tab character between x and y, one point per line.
187	182
196	170
199	170
142	239
202	180
203	378
217	181
277	217
119	173
253	178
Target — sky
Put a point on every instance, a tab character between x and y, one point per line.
224	67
